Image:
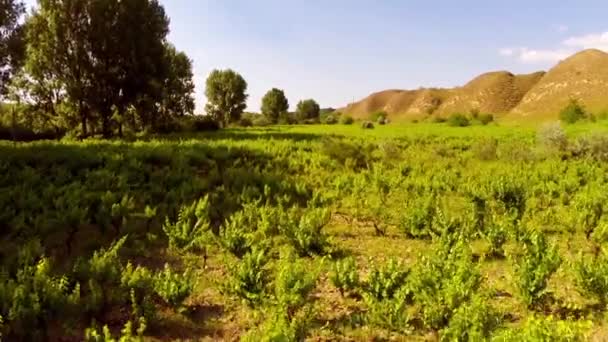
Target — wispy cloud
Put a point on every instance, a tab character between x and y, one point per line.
562	28
563	50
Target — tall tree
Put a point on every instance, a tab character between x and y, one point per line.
178	89
308	110
226	96
274	104
11	40
107	56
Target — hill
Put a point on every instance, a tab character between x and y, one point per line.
536	96
583	76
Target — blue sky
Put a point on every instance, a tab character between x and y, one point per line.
337	51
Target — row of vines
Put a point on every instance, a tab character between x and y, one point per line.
499	239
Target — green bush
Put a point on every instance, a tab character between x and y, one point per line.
305	232
345	276
377	116
347	120
473	321
444	281
486	119
367	125
553	137
249	277
486	149
383	283
592	277
534	266
546	329
126	334
573	112
458	120
439	119
190	230
173	287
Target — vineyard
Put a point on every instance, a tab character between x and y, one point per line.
321	233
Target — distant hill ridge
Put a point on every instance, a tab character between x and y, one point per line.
537	96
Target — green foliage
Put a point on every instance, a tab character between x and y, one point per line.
293	283
279	328
346	120
274	103
11	41
173	287
573	112
226	92
553	137
486	149
486	119
249	277
473	321
190	231
383	283
235	235
305	233
417	219
444	281
545	329
591	276
458	120
390	313
345	276
367	125
126	334
534	266
308	110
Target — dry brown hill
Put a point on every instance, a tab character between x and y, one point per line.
583	76
494	92
537	96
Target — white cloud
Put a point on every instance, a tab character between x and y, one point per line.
506	52
590	41
565	49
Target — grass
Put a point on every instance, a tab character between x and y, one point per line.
399	163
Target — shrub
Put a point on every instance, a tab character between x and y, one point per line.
382	121
367	125
486	148
305	232
553	137
330	119
391	314
458	120
245	122
545	329
347	120
235	237
593	146
126	334
190	230
173	287
485	119
444	281
259	120
439	119
345	276
592	277
249	277
203	123
573	112
533	268
294	282
383	283
377	116
473	321
417	219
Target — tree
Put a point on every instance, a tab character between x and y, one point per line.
274	104
573	112
308	110
107	57
178	89
226	96
11	41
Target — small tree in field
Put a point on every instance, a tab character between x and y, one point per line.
573	112
308	110
274	103
226	96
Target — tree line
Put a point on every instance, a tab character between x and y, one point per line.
106	67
